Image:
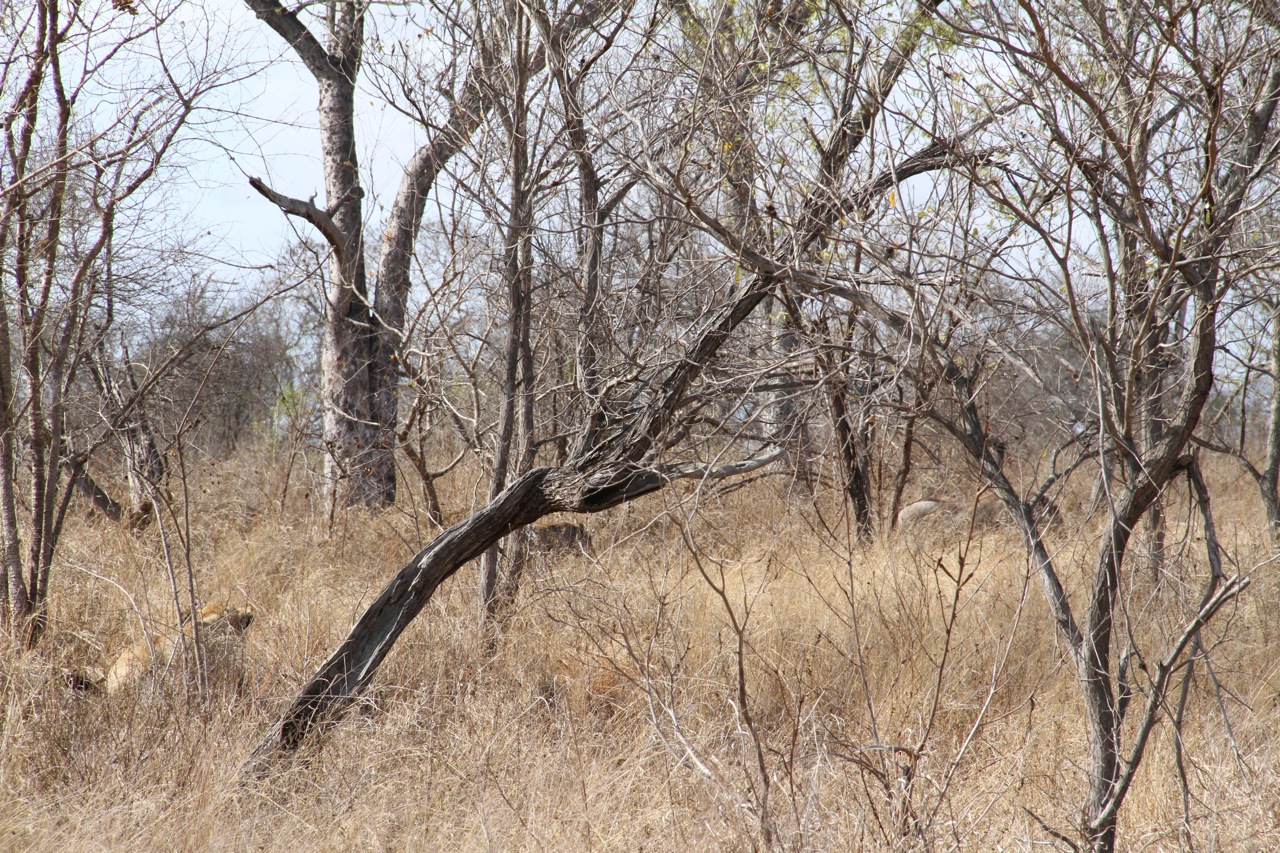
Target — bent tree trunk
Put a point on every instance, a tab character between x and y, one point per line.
618	469
538	493
610	465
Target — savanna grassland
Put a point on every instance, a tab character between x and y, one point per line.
729	671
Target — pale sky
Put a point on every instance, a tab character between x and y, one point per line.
277	140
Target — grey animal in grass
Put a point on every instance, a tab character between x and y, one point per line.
561	537
988	513
912	515
930	512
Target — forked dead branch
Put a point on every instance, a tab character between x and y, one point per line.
616	457
813	259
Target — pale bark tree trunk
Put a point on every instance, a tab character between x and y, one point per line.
514	451
1269	482
360	458
395	260
363	329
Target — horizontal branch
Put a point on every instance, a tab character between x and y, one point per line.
643	481
306	210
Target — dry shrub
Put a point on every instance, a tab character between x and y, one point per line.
638	700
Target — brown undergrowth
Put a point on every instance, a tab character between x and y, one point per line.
728	672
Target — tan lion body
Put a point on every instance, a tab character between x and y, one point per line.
221	637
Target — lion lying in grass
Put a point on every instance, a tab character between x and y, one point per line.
220	630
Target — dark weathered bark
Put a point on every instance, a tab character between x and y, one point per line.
904	469
606	467
98	496
351	666
859	467
599	476
852	441
1266	477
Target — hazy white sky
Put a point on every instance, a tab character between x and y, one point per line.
275	137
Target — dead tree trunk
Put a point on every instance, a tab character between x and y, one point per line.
608	466
599	476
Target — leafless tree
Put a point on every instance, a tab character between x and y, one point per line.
1101	289
1161	135
95	100
989	222
359	465
364	325
1153	141
685	352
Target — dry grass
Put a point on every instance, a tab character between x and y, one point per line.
612	716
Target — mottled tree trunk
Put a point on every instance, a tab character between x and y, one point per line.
904	469
1269	482
514	451
359	441
852	439
360	465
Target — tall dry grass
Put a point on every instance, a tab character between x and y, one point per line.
729	673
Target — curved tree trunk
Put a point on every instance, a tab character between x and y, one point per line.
598	476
